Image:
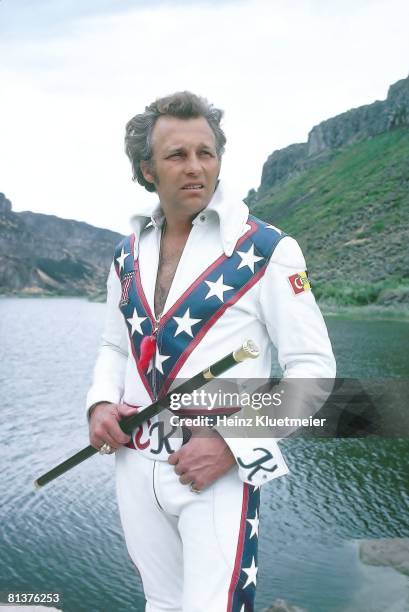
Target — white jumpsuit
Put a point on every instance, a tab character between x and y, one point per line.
198	553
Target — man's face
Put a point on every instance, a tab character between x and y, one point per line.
185	164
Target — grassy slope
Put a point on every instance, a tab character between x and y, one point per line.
351	217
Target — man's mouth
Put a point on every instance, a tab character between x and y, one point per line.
193	186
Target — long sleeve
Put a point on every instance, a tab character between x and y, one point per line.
292	317
109	371
296	327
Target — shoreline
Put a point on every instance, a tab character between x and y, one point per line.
367	311
24	295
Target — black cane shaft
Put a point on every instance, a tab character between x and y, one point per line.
224	364
66	465
128	424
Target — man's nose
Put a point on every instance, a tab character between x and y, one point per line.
192	164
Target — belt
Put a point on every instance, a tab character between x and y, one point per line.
140	440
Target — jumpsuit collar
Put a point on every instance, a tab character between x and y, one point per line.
231	217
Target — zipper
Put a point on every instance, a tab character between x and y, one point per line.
155	326
156	320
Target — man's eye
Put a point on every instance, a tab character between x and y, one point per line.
206	153
175	155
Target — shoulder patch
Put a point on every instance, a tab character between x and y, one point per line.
299	282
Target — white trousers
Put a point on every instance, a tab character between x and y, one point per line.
194	552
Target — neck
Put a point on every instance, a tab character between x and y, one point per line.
178	226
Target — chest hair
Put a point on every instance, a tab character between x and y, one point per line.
170	254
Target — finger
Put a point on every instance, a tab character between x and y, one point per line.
186	479
124	410
179	470
111	441
97	442
173	458
115	432
106	428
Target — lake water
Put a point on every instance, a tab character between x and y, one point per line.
67	537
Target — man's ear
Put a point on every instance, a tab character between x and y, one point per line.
146	171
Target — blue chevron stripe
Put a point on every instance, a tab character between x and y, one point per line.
203	306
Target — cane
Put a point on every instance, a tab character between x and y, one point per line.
128	424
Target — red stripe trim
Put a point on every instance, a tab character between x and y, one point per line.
149	313
239	549
140	371
141	293
204	274
184	356
172	309
178	365
199	336
191	287
135	356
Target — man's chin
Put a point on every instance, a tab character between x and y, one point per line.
195	193
198	200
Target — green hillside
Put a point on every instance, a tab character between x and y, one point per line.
350	215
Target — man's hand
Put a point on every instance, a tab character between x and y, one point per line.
103	425
203	459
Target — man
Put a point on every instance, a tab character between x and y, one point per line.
196	278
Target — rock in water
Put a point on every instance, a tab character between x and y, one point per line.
393	552
280	605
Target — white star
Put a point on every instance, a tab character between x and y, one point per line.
273	227
254	525
136	321
251	574
185	323
159	359
121	258
248	259
217	288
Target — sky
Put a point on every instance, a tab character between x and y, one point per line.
73	73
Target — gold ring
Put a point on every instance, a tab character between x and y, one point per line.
105	449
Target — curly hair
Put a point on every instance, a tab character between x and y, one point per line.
184	105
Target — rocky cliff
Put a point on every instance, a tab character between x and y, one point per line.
43	254
344	195
329	136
